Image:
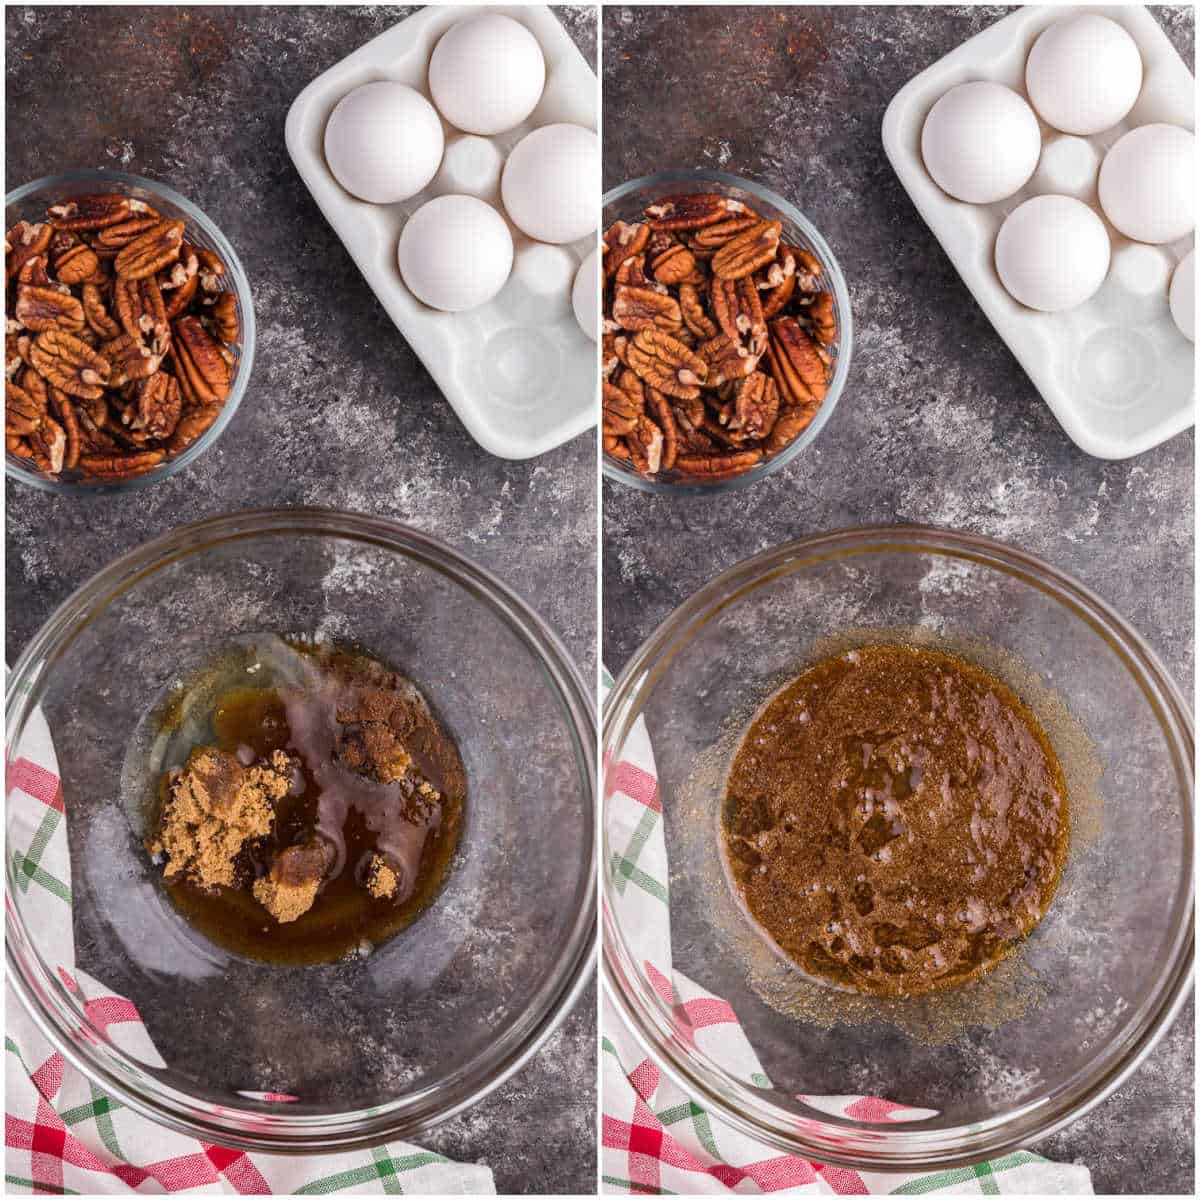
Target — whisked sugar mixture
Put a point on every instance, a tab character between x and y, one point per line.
895	820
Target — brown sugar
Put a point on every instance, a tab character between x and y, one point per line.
373	725
381	881
291	886
215	806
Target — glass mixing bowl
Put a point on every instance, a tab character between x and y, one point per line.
29	203
378	1047
1053	1029
628	203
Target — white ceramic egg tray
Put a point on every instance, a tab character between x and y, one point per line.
1115	371
518	371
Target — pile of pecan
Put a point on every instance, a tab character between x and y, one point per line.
118	335
716	334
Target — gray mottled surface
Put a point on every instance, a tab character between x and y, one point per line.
339	413
938	423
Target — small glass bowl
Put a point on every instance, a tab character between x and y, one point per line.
1049	1033
29	203
628	202
345	1054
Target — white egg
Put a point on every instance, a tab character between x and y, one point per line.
585	296
981	142
487	74
455	253
383	142
1052	252
551	183
1083	74
1183	296
1148	183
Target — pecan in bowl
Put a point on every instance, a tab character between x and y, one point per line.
726	334
129	332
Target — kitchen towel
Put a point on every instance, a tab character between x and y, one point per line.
64	1135
654	1138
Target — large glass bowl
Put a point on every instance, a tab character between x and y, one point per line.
628	203
29	203
378	1047
1052	1030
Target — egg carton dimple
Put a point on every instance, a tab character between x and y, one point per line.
518	371
1115	370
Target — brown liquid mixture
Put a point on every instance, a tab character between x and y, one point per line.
367	816
896	820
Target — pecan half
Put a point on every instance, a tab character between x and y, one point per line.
224	316
76	263
70	364
178	298
726	360
49	445
643	308
622	241
756	407
791	424
620	413
96	314
633	387
64	412
121	466
664	418
140	309
820	314
739	313
667	364
89	212
713	237
744	254
23	242
200	366
646	446
159	405
779	283
150	252
40	308
694	316
796	363
130	358
33	272
109	242
192	426
632	273
22	413
675	264
691	211
714	467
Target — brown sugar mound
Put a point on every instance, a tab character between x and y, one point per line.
371	738
290	888
382	881
216	805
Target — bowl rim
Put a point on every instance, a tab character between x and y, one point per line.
259	1126
845	343
829	1139
241	288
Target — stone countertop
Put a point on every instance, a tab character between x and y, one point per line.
339	413
938	424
